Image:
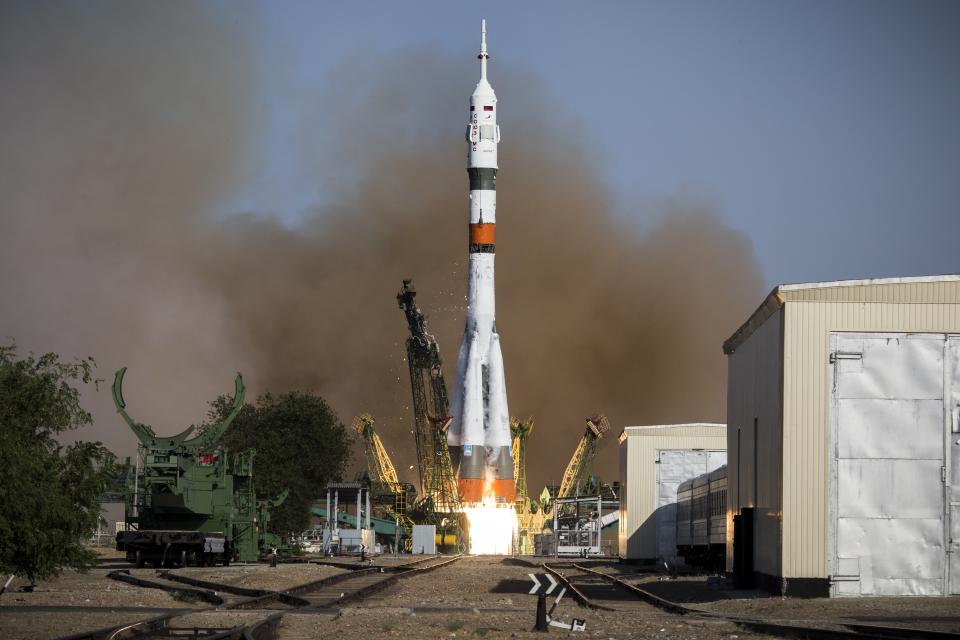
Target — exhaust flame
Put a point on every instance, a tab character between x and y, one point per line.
492	529
493	526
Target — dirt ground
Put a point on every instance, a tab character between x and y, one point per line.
476	597
939	614
258	576
487	597
77	602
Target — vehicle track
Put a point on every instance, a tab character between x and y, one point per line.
586	590
252	614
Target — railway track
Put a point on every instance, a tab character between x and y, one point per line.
592	588
240	613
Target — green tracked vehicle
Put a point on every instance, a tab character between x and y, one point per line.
191	502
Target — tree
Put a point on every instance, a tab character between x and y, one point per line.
301	446
49	493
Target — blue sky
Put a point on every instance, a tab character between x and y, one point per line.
825	131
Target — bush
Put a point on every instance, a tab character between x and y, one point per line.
49	493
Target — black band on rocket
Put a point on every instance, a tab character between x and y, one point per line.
482	179
482	248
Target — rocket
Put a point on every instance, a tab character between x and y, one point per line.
479	433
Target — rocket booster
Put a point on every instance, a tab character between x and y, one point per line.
479	434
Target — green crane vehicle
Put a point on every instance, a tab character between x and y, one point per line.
192	502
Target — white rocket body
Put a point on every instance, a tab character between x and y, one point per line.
479	434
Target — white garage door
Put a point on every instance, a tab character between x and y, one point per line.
952	387
673	467
889	426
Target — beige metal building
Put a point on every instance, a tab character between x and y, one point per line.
843	408
654	460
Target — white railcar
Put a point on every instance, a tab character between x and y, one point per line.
702	519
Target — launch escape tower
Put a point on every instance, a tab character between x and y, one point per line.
431	407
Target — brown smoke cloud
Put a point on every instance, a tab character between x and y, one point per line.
127	135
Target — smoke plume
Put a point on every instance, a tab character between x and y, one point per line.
124	130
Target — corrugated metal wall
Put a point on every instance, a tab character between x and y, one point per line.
932	292
754	373
808	324
638	477
628	499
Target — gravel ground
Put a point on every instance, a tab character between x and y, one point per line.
89	589
939	614
936	613
52	624
77	602
476	597
486	597
400	622
277	578
75	593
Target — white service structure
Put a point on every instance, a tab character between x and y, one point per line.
654	460
843	408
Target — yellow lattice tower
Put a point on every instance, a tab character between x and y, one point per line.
579	466
520	430
378	461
